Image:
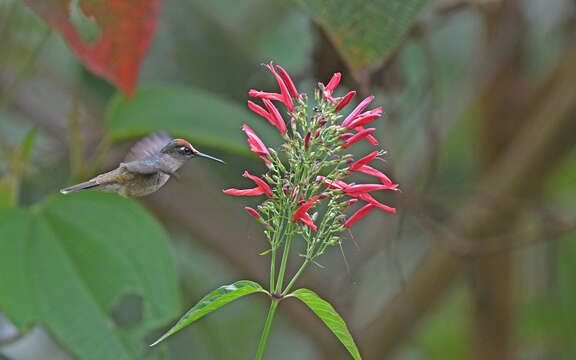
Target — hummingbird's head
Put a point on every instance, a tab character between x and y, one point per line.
182	150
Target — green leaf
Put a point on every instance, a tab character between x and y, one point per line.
364	32
70	261
203	118
7	193
330	317
27	146
216	299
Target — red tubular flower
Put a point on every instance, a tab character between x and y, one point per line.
332	184
261	183
262	188
306	219
275	117
302	215
332	84
260	111
252	212
341	185
363	188
288	81
357	110
286	98
371	171
370	138
345	100
365	118
265	95
365	160
256	145
359	214
359	136
244	192
368	198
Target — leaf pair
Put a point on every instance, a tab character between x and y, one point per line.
228	293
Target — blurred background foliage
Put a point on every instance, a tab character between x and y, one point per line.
480	132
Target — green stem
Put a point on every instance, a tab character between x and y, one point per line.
291	283
284	261
272	269
266	331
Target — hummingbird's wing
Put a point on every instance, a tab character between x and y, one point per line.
146	166
148	146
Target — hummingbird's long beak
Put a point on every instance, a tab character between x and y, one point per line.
209	157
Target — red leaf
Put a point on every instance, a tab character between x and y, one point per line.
125	27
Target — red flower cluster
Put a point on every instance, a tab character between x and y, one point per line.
351	130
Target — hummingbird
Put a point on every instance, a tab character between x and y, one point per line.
148	166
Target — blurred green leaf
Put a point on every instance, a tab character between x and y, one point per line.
330	317
67	264
203	118
7	196
364	32
27	146
216	299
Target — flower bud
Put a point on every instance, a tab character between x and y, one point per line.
286	189
295	192
307	140
323	196
322	122
317	134
345	136
252	212
345	100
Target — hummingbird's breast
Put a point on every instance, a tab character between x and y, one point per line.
144	184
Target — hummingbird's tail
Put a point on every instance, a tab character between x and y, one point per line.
82	186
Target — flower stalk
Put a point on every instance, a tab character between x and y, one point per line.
306	197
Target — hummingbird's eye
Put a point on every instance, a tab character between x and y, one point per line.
185	150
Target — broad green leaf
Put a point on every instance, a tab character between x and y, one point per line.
199	116
68	263
330	317
364	32
216	299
